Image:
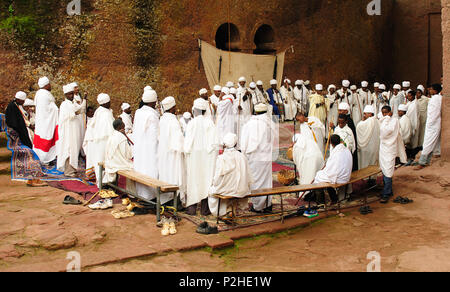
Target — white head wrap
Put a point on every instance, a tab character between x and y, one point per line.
230	84
74	84
103	98
260	83
147	88
125	106
242	79
319	87
307	82
287	80
343	106
252	85
376	85
217	88
233	90
230	140
397	86
273	82
68	88
168	103
203	91
331	86
382	87
187	116
421	88
406	84
403	108
226	90
345	83
299	82
29	102
21	95
353	87
149	96
260	108
200	104
369	109
43	81
364	84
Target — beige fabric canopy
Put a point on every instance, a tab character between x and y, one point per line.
235	65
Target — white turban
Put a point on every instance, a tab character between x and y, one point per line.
21	95
230	140
306	82
253	85
230	84
421	88
319	87
125	106
168	103
226	90
147	88
273	82
203	91
353	87
287	80
149	96
260	108
233	90
345	83
331	86
299	82
369	109
43	82
217	88
364	84
187	116
260	83
74	84
406	84
343	106
200	104
403	108
382	87
376	85
29	102
397	86
103	98
242	79
68	88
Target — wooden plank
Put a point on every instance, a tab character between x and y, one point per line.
148	181
360	175
281	191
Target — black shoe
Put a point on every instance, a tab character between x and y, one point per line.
268	210
252	209
140	211
384	199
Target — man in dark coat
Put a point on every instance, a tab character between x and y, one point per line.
15	118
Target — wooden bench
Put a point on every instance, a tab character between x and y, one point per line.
160	186
356	177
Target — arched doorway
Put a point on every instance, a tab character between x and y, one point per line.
225	33
265	40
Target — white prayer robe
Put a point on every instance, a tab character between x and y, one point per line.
315	130
232	178
118	156
68	146
405	129
338	169
302	98
391	145
225	118
413	115
257	143
44	144
214	100
262	97
201	148
97	135
245	114
128	121
81	118
431	141
332	106
290	105
358	108
395	101
368	133
366	97
422	104
145	149
347	136
170	155
184	124
308	158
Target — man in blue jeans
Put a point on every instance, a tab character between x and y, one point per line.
389	139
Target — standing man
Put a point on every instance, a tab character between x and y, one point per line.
210	113
422	103
345	133
257	140
225	115
145	135
397	99
16	119
301	97
264	96
68	148
46	132
358	105
313	128
170	150
97	135
344	95
126	118
368	131
201	148
318	106
276	100
432	138
405	125
80	105
332	105
365	94
290	106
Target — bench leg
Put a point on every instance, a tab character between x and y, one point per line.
218	213
282	210
175	203
158	205
100	177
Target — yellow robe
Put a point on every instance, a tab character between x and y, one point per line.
321	111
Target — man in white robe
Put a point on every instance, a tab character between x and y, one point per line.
397	99
225	115
243	105
257	142
432	138
210	111
346	134
126	118
422	104
80	105
184	121
263	97
345	95
365	94
97	135
332	105
301	96
215	98
290	105
46	129
358	105
405	124
201	148
170	150
68	147
145	136
338	168
391	147
368	131
307	157
119	154
313	128
232	178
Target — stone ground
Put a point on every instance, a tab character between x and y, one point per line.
37	232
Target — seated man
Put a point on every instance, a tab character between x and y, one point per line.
231	179
338	169
118	154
